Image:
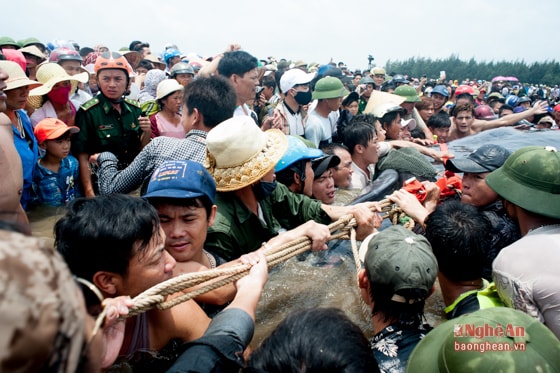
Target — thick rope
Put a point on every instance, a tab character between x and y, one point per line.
174	291
355	253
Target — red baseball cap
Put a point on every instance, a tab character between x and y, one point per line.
557	108
52	128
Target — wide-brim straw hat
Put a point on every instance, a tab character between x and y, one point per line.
133	57
153	59
16	76
51	73
239	153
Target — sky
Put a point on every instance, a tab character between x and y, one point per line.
309	30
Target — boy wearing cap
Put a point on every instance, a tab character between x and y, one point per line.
526	272
57	178
323	183
290	114
399	271
294	168
439	94
183	194
318	127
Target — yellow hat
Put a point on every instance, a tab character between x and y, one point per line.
16	76
239	153
51	73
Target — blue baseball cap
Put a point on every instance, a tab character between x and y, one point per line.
441	90
181	179
297	151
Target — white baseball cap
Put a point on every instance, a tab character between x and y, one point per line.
294	77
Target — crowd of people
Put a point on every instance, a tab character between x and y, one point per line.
234	157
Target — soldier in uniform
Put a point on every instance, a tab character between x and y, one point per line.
109	122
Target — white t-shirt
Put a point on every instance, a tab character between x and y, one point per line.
318	129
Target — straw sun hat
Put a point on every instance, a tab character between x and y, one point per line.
49	74
52	73
239	153
16	76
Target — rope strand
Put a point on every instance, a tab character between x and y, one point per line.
156	296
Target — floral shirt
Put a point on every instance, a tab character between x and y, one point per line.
393	345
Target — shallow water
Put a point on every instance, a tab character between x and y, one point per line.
321	280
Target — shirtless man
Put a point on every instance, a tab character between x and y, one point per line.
464	123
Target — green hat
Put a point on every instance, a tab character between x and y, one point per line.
401	259
446	348
495	96
329	87
6	40
31	41
283	65
530	178
366	80
407	92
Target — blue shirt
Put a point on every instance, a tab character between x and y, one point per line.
28	149
57	189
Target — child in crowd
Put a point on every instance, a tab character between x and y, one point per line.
57	174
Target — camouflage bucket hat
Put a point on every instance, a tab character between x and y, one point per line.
40	307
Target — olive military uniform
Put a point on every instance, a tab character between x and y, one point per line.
103	128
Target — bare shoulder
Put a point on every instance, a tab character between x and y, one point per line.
185	321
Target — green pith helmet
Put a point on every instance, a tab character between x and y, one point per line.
497	339
366	80
407	92
6	40
530	179
329	87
